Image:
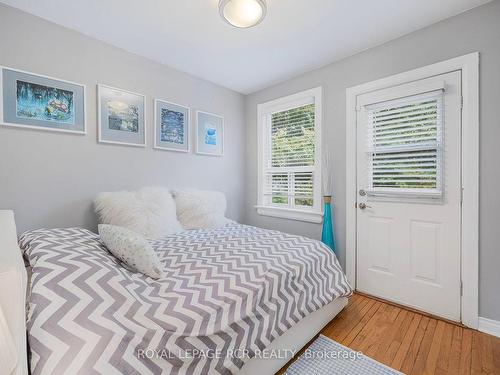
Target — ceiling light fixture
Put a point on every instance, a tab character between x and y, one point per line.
242	13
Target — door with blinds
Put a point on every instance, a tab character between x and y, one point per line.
409	194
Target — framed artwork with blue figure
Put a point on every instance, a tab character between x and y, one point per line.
121	116
171	126
35	101
209	134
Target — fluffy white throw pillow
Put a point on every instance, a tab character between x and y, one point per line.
150	211
197	209
132	249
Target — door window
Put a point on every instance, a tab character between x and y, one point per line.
404	152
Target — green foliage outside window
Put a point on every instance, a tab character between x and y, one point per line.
293	145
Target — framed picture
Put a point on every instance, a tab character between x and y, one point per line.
209	134
34	101
171	126
121	116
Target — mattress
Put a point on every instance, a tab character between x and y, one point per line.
226	294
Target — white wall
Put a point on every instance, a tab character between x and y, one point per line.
476	30
49	179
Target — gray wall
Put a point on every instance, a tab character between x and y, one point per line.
50	179
476	30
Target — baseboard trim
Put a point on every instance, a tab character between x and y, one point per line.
489	326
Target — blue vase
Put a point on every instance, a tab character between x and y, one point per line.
327	236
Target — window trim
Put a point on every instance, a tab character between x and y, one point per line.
315	214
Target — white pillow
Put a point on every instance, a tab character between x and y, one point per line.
197	209
132	249
149	211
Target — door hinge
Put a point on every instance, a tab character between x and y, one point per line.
462	102
461	288
461	195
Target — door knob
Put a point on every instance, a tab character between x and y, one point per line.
363	206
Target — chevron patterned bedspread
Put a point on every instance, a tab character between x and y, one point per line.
226	294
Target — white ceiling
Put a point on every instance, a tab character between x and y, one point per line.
296	36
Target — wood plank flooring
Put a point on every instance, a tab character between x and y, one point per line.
411	342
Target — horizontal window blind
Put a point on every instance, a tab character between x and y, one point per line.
290	157
292	137
405	144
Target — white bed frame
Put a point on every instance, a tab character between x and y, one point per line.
13	281
295	338
13	284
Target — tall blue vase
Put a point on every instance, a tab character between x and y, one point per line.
327	236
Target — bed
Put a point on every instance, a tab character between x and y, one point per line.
228	296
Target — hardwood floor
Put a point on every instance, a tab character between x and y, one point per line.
411	342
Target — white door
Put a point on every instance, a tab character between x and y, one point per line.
409	194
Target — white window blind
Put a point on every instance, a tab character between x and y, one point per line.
289	145
405	145
290	158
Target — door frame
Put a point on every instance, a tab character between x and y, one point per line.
469	66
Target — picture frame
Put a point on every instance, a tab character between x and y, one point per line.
209	134
121	116
172	126
36	101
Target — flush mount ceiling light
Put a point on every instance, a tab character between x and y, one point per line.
242	13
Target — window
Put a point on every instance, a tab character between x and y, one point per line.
289	157
405	146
